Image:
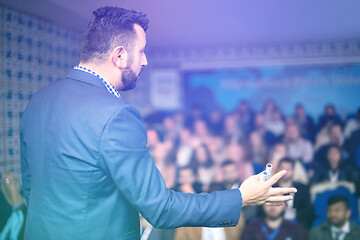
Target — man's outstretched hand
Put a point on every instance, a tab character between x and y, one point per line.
255	192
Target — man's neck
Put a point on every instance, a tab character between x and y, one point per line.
105	71
286	183
273	224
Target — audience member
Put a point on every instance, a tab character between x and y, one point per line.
352	145
269	110
297	147
246	117
335	137
170	133
336	169
305	122
185	150
187	181
259	126
201	155
236	153
206	175
299	208
233	134
352	125
329	117
338	225
273	226
216	122
257	151
275	124
230	174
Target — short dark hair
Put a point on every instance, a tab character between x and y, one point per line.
108	27
338	198
227	162
287	160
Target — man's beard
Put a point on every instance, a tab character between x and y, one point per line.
128	79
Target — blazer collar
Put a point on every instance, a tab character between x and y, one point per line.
85	77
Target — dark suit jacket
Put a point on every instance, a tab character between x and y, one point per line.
323	232
87	173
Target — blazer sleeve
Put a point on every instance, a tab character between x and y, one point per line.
123	154
25	171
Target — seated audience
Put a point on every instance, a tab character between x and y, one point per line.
338	225
273	226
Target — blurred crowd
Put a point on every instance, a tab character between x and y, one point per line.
208	151
200	151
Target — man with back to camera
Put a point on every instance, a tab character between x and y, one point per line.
87	173
338	225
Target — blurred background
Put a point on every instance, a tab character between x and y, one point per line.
230	86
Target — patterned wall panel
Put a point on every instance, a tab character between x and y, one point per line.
34	53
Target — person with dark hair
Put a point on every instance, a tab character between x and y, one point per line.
246	116
305	122
352	124
273	226
86	170
336	169
230	173
329	117
206	175
352	145
338	225
297	147
300	208
187	181
334	137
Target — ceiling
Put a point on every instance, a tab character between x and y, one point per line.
215	23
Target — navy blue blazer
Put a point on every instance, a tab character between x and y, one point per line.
87	173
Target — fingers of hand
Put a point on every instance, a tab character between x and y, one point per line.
276	177
272	203
279	198
281	191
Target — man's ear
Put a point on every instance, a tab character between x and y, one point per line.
119	56
348	213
